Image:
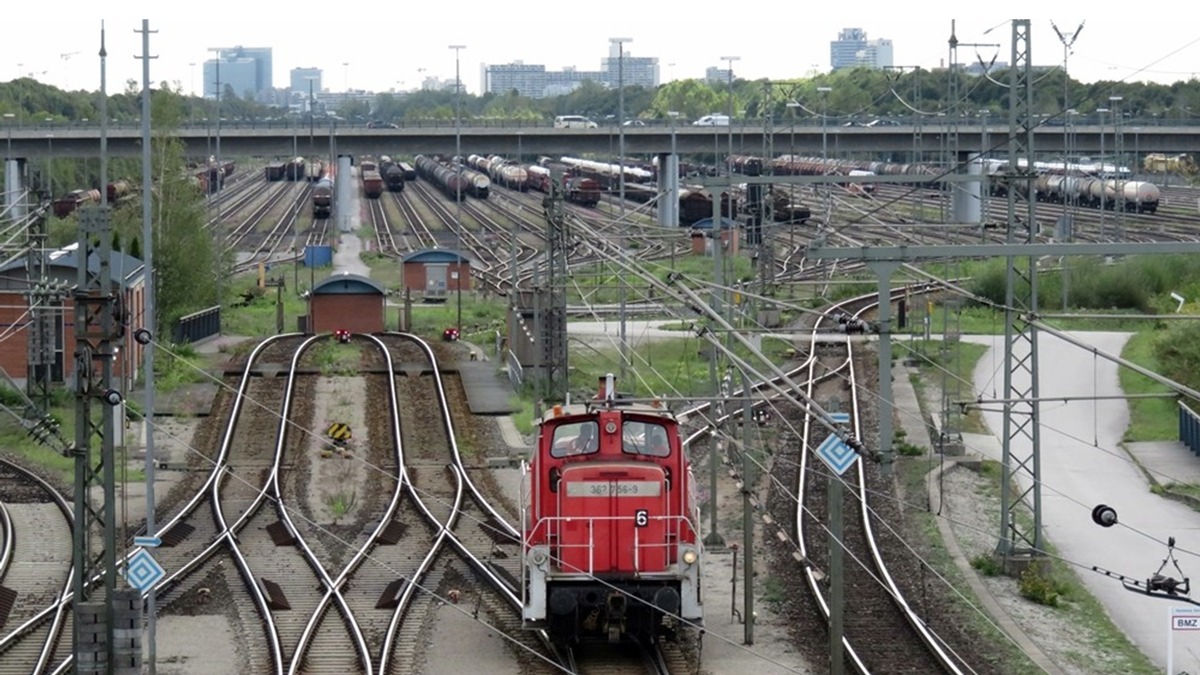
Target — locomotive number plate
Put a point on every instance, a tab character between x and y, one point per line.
622	488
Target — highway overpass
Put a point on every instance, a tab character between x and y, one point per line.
748	138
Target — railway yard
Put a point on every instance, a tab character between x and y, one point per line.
400	550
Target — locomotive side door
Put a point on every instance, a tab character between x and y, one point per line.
612	519
638	510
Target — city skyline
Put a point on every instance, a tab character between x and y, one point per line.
353	52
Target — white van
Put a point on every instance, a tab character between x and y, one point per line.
713	120
573	122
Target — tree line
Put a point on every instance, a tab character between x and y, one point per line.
848	94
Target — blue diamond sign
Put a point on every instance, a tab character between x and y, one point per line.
143	571
835	453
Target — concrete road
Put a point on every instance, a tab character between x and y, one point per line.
1082	465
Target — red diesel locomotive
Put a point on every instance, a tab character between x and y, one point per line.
610	524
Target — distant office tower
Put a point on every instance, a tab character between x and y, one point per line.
716	75
852	49
302	81
244	70
634	71
533	80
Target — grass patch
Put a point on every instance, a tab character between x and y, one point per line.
952	363
335	358
1054	580
257	316
1150	419
341	503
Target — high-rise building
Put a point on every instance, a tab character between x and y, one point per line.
528	80
246	71
634	71
715	74
534	81
303	84
852	49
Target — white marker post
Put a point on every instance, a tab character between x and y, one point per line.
1182	619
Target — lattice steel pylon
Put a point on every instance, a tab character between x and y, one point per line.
42	322
553	324
1021	476
96	335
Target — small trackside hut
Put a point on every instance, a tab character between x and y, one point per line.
346	302
435	272
610	524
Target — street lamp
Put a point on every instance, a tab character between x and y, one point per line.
1101	112
8	118
824	122
311	110
458	194
1118	151
792	105
50	162
620	43
728	159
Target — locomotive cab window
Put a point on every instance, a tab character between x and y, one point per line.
645	438
582	438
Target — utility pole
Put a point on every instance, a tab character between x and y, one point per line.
958	193
621	283
1020	302
98	612
146	333
1066	229
458	197
552	322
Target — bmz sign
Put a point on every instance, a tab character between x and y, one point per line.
1185	622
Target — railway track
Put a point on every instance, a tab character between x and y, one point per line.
35	569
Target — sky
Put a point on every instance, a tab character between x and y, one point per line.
393	46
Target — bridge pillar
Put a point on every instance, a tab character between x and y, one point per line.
668	185
967	204
14	187
344	186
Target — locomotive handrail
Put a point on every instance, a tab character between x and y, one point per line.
549	523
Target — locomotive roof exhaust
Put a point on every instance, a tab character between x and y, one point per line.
608	388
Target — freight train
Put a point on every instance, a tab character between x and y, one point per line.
1094	185
393	174
66	204
1081	189
454	181
501	171
611	546
211	177
608	175
322	198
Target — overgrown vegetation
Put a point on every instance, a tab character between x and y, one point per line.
851	93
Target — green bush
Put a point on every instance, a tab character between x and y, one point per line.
986	564
1038	587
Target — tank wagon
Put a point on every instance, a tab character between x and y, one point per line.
322	198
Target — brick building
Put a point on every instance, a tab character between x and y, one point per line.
19	333
346	302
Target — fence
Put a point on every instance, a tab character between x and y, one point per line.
516	374
1189	428
198	325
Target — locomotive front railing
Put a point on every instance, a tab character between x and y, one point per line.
552	529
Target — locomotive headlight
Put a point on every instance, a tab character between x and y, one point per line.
537	557
690	556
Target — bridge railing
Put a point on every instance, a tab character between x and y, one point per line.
1189	428
198	325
